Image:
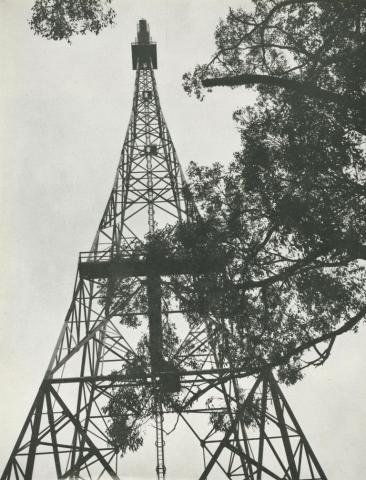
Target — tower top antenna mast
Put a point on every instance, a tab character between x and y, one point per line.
143	32
143	49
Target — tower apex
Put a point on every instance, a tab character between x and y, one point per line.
143	49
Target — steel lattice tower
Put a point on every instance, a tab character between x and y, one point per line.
64	435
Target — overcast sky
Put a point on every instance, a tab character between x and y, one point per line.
64	111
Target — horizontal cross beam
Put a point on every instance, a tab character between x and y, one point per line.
136	267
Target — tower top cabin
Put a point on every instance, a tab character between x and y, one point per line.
143	49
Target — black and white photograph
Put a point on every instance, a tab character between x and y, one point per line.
183	239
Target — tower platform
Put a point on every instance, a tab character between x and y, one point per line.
97	265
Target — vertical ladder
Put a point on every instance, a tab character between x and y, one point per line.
159	442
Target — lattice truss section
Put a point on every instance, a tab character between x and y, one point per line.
260	437
244	425
149	186
67	422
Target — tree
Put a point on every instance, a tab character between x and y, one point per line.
293	201
61	19
312	48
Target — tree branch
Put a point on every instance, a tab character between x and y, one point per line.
352	322
303	88
286	272
283	359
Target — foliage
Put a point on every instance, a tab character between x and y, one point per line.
61	19
220	418
292	204
280	290
126	411
130	407
319	42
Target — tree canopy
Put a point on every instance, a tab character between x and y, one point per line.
311	47
61	19
293	201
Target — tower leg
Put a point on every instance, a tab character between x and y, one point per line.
266	439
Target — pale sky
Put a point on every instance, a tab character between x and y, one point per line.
64	111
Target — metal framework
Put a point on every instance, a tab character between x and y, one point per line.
253	433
